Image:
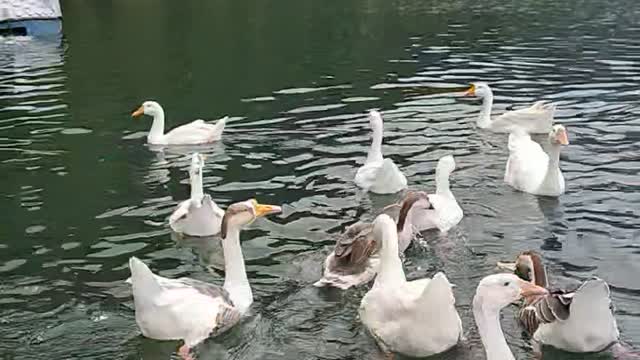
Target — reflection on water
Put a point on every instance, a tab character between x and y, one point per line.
83	192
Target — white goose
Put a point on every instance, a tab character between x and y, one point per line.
445	212
191	310
536	119
355	259
577	321
195	132
414	318
379	175
199	215
530	169
494	293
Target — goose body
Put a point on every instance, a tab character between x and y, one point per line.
577	321
355	258
193	133
536	119
191	310
199	215
378	174
445	212
414	318
530	169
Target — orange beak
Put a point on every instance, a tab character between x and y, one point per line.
528	289
263	209
138	112
471	91
562	138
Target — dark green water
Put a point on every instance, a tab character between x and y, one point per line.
81	192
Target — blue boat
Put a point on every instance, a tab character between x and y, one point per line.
30	18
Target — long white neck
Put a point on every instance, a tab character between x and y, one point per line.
484	119
442	183
552	177
197	193
235	280
488	322
391	272
157	127
375	151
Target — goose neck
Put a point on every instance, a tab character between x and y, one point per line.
157	127
236	281
488	322
484	119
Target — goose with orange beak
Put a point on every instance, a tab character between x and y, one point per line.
530	169
494	293
193	133
536	119
578	321
192	310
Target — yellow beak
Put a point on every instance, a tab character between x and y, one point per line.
471	91
138	112
262	209
528	289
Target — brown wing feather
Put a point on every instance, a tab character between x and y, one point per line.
355	246
545	310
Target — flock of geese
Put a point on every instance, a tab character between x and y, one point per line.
415	318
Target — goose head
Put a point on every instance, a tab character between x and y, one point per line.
244	213
479	89
410	207
375	121
497	291
529	268
558	135
384	232
150	108
446	164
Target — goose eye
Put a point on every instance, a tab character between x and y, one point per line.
506	284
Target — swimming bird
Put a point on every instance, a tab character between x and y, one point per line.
536	119
378	174
415	318
494	293
576	321
355	258
530	169
192	310
199	215
445	212
195	132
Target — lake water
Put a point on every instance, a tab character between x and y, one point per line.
81	192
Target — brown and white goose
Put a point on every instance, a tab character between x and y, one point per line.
577	321
355	259
192	310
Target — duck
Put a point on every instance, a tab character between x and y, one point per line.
193	133
578	321
355	258
191	310
414	318
378	174
530	169
199	215
536	119
445	212
495	292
